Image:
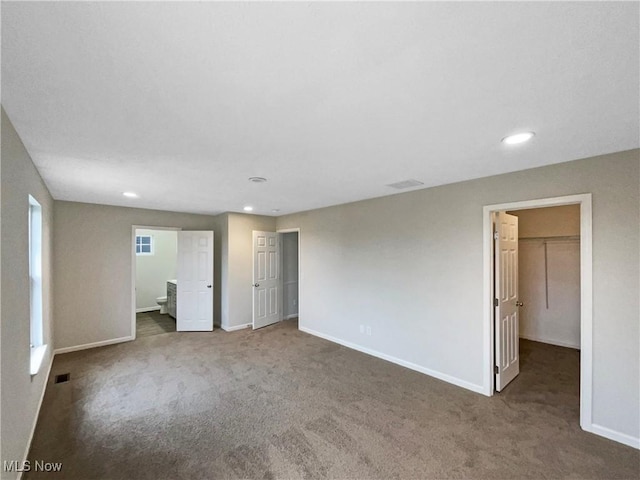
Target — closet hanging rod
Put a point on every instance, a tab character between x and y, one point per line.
565	237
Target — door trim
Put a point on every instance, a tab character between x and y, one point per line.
133	269
586	295
300	302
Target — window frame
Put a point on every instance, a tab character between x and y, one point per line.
141	243
37	346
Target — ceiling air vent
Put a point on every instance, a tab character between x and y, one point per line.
405	184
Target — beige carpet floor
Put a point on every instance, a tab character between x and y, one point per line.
278	403
154	323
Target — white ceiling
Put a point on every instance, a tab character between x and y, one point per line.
182	102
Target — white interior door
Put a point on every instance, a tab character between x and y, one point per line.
506	288
266	279
195	282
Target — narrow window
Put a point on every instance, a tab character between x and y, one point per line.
144	245
38	348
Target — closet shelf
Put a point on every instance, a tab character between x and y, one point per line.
558	238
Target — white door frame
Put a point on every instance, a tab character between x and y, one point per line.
586	294
297	230
133	269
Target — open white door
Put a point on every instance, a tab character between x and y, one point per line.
266	279
506	291
195	282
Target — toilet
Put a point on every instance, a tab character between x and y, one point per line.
162	301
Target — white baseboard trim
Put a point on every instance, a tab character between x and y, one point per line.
35	420
147	309
613	435
289	317
226	328
551	342
103	343
403	363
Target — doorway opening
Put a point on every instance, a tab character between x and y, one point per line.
155	251
276	277
542	358
290	280
188	288
504	304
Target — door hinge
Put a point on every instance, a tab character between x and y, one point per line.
495	302
496	369
495	235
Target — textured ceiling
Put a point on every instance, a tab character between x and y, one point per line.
182	102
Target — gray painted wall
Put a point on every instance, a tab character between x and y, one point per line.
548	222
221	269
410	267
94	304
20	391
93	301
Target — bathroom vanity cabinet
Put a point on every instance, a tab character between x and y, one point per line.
171	298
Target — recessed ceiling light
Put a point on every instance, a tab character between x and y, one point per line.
130	194
518	138
257	179
274	210
248	209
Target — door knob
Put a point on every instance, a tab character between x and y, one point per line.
256	284
208	286
519	304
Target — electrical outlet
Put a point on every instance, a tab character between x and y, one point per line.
368	330
361	328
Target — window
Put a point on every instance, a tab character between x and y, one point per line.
38	348
144	245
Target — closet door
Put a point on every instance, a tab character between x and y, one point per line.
506	311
